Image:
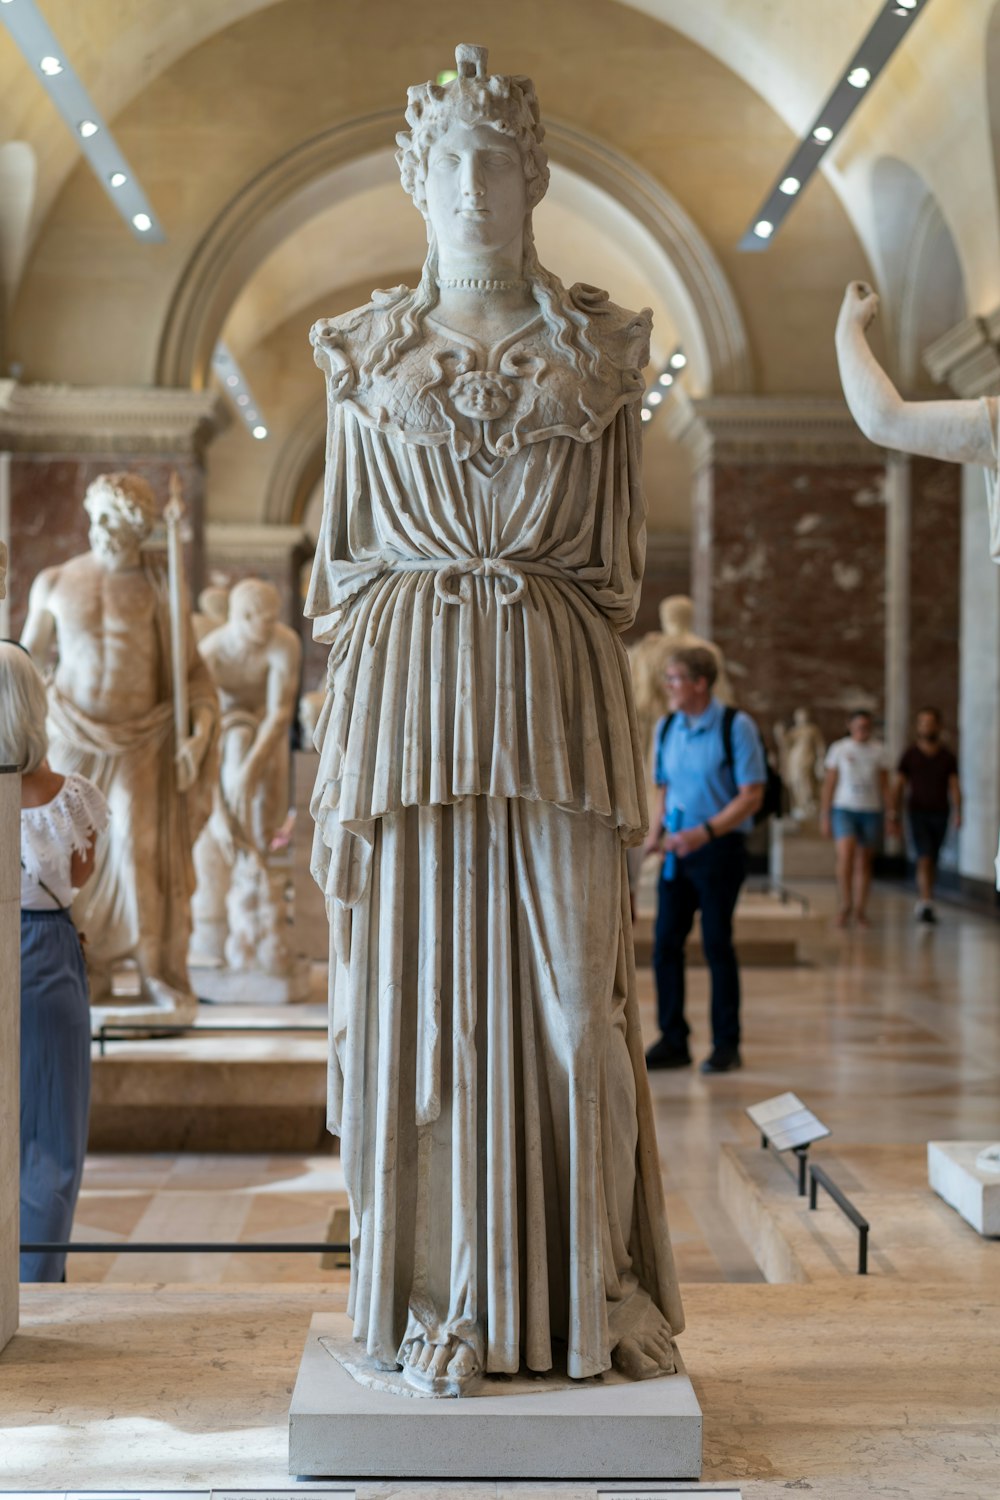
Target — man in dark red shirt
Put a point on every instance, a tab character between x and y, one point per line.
927	775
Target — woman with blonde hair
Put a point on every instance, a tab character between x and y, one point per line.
60	819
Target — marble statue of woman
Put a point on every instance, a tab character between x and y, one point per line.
963	432
480	780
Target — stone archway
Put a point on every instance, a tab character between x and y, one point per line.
345	159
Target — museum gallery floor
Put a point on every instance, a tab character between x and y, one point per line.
835	1386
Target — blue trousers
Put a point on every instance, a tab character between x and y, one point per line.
55	1084
708	881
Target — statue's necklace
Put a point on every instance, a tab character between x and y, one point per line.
478	284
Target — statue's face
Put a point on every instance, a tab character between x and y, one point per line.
255	618
113	536
475	189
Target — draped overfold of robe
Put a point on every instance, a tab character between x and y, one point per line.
480	779
137	903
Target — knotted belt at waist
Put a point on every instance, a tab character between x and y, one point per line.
463	568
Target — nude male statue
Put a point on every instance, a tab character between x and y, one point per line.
254	661
106	615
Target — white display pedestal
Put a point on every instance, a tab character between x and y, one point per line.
10	1047
609	1429
954	1176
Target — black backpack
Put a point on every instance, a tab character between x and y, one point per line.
775	803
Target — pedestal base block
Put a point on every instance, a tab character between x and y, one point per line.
222	986
954	1175
608	1429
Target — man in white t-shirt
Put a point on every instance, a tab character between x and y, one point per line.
854	803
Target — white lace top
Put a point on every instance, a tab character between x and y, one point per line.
51	835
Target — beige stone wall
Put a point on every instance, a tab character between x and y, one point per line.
10	1049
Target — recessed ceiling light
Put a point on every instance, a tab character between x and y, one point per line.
654	398
678	360
87	128
260	432
790	186
822	133
118	179
50	66
907	4
646	414
666	378
142	222
859	78
763	229
243	400
232	380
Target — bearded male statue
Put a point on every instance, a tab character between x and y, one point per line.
106	614
480	780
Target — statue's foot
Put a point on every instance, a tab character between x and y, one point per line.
447	1369
648	1350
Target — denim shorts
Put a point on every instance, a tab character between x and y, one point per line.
865	827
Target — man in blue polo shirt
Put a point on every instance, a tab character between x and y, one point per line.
706	800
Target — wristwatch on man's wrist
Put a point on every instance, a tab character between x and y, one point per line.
709	830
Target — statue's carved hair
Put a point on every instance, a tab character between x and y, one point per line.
509	105
131	494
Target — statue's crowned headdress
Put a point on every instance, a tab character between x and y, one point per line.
474	96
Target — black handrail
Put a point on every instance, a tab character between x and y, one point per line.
165	1031
820	1179
182	1247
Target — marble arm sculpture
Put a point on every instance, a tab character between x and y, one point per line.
958	431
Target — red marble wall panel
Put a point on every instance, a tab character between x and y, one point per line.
798	555
48	523
935	574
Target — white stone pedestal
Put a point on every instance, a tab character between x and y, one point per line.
221	986
953	1174
10	1047
609	1429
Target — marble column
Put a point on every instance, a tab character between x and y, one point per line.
789	553
10	1046
826	568
59	438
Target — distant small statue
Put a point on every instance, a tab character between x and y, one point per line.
239	903
801	750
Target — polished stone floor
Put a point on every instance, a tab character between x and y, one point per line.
891	1035
845	1387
